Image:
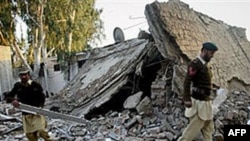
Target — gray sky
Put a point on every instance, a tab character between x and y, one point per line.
129	14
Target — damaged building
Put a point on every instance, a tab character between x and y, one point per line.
142	79
112	73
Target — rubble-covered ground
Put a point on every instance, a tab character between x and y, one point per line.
176	30
163	124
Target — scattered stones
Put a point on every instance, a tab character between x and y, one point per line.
163	124
156	118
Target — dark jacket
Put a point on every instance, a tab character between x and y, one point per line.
198	76
31	95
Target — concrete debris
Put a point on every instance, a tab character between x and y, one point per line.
114	126
145	106
132	101
132	91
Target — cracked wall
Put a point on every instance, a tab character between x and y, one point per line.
180	31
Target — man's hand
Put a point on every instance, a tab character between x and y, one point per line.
188	104
15	103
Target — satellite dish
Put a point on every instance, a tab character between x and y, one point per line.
118	35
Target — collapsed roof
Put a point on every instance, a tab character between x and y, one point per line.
112	73
105	72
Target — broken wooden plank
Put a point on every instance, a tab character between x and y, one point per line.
51	114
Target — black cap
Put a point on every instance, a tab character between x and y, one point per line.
210	46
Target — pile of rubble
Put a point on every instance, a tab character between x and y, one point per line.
235	110
143	80
134	123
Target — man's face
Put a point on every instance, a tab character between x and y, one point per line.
24	77
208	55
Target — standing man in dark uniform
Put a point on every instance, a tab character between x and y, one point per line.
197	96
31	93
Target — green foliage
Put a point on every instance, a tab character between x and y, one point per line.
78	18
6	22
68	25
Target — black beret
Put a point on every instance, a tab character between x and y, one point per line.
210	46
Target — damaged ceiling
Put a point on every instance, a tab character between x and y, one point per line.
106	72
113	73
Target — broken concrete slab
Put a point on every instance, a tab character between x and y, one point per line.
132	101
104	73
